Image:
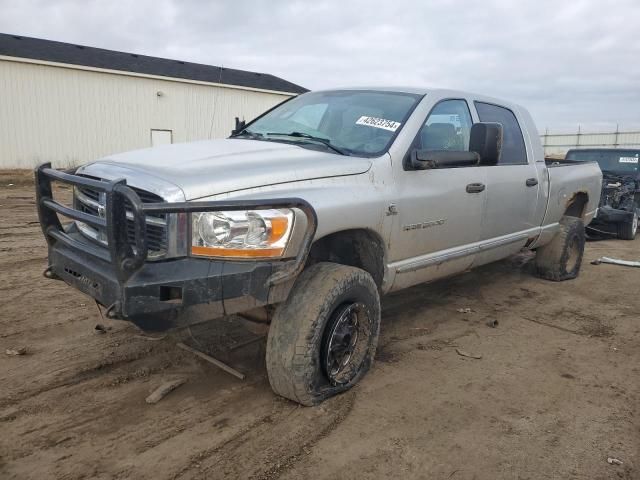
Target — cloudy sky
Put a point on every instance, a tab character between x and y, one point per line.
570	63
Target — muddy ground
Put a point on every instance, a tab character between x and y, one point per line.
556	392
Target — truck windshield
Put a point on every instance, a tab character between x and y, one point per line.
350	122
614	161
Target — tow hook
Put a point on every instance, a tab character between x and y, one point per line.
48	273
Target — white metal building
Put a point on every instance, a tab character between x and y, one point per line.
70	104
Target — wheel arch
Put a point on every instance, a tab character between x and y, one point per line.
577	205
359	247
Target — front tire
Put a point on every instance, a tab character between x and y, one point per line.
561	258
628	230
323	338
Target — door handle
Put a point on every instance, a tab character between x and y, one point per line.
475	187
531	182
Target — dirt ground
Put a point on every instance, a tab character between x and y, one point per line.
556	392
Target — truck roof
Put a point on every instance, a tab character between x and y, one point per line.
443	92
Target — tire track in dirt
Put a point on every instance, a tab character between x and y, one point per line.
47	330
271	445
52	403
279	468
28	262
85	370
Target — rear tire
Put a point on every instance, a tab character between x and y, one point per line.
323	338
628	230
561	258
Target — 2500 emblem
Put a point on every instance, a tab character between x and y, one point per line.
420	226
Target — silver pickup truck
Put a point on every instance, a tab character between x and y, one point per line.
305	216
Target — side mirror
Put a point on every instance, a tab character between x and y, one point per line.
239	126
485	148
486	140
426	159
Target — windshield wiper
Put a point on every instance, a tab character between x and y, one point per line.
324	141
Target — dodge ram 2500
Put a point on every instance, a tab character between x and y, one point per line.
311	212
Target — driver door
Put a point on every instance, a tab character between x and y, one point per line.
440	210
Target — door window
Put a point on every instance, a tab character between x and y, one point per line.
447	127
513	149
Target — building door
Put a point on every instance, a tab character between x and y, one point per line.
161	137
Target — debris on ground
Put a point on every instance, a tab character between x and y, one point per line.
99	328
16	351
150	338
464	310
492	322
467	354
212	360
616	261
164	389
614	461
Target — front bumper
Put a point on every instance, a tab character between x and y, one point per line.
161	294
169	294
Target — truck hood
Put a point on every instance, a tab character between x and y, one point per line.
212	167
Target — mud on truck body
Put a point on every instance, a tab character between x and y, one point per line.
310	213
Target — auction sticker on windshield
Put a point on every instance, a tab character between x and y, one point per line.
378	123
628	160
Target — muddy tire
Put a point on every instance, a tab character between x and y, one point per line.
628	230
561	258
323	338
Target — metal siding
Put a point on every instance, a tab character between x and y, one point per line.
70	116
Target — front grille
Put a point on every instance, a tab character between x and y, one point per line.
89	201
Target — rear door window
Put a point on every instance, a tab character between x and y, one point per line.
513	149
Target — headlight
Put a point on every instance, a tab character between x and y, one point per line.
248	233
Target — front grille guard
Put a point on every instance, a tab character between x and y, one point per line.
125	259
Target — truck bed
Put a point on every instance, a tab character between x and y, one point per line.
567	180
